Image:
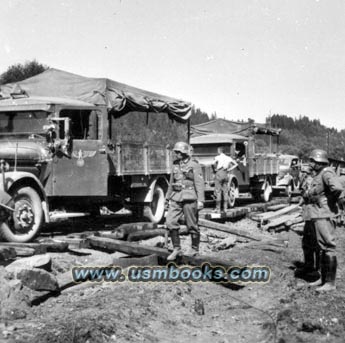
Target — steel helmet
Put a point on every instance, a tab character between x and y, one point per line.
319	156
182	147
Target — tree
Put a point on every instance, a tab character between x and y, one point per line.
19	72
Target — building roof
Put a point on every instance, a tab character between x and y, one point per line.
217	138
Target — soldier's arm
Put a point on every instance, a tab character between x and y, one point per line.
199	182
334	184
233	164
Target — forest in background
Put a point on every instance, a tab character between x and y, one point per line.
299	135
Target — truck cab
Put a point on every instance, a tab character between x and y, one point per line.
255	173
289	173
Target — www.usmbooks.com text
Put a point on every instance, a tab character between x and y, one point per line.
173	273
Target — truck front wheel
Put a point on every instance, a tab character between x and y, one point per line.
232	194
24	223
154	212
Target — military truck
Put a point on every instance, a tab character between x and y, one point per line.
71	144
289	173
255	174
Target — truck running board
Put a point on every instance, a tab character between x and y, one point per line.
56	216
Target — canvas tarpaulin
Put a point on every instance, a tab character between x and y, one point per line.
117	97
226	126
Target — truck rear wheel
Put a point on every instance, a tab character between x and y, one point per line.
154	212
24	223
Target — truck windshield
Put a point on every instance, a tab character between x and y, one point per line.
22	122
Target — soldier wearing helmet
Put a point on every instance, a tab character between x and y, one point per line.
185	196
321	211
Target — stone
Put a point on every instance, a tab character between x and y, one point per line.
37	261
38	279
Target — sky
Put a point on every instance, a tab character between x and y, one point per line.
238	58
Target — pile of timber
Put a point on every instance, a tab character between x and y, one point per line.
284	218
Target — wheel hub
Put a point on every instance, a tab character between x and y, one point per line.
24	215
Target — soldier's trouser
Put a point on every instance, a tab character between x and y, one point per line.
325	235
221	185
190	212
310	248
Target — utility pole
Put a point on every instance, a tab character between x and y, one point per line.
327	142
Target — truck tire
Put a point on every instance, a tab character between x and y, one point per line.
232	194
25	222
267	192
154	212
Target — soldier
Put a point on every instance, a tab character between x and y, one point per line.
222	165
311	252
185	196
321	210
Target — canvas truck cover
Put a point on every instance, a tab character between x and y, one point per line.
226	126
117	97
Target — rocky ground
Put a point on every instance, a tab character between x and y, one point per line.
282	310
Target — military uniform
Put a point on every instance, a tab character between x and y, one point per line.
186	189
309	245
321	212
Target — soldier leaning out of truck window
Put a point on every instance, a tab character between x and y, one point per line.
222	165
185	196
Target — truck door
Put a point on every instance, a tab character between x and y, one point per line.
84	170
241	171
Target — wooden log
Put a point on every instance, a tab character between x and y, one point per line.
229	214
276	207
294	221
146	234
7	253
141	250
40	248
279	221
225	228
125	229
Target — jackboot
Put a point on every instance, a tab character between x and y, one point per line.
175	238
217	209
329	273
225	205
309	264
195	240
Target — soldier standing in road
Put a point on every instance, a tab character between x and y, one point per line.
185	196
322	199
221	166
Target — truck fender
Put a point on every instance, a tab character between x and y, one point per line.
149	194
14	178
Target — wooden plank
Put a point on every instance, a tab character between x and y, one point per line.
269	215
225	228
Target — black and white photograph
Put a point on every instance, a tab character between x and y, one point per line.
172	171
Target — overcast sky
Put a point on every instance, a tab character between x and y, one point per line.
238	58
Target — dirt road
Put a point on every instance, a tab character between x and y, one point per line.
282	310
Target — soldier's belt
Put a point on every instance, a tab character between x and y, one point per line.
177	187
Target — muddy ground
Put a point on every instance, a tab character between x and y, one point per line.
282	310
